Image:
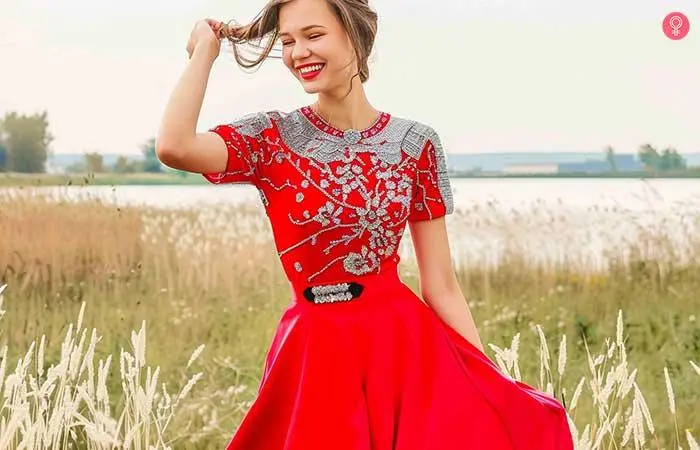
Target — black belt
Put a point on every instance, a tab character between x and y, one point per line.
331	293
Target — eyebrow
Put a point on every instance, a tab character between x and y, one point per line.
308	27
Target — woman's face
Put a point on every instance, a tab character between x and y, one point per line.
316	47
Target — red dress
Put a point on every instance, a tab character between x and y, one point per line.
358	361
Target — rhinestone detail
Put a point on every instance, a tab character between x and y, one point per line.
371	187
332	293
352	136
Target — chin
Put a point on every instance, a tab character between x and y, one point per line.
327	89
310	88
313	87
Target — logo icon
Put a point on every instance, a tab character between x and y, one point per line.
676	25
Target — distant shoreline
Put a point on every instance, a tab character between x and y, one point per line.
100	179
171	179
628	175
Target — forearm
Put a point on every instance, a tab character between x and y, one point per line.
185	103
453	309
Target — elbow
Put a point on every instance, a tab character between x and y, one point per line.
169	152
441	287
432	296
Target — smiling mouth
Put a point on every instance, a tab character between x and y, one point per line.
310	72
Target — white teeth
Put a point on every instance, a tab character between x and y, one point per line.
313	68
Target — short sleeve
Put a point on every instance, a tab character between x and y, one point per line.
432	192
246	149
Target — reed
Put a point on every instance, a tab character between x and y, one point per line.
616	339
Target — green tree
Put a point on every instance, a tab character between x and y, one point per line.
26	139
151	163
650	157
611	157
667	159
3	156
123	165
671	160
94	162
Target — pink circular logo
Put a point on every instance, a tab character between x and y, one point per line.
676	25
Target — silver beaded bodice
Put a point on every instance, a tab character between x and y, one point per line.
338	201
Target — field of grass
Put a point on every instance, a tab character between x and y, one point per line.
172	314
99	179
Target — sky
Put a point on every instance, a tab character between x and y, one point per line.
488	76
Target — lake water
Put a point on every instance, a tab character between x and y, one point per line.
548	219
511	193
577	193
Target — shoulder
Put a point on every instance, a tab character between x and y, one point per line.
416	135
255	123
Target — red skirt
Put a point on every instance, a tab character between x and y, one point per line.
384	372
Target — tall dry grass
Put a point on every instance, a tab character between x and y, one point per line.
69	404
617	343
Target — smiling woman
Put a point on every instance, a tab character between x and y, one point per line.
358	361
352	33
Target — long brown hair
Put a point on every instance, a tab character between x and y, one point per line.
260	35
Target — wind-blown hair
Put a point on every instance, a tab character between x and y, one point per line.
358	19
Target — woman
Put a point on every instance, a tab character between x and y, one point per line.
358	361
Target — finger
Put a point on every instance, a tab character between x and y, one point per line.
214	24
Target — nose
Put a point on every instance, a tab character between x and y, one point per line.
300	51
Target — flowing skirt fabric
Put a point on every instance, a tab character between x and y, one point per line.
384	372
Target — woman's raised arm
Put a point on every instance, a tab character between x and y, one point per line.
178	145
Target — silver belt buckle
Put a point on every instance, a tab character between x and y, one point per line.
333	293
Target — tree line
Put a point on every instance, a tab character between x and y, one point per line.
667	159
654	160
25	148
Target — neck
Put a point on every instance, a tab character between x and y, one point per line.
347	112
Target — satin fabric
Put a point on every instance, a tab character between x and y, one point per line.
384	372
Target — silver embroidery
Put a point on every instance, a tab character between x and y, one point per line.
305	139
352	136
253	125
362	263
250	125
340	174
416	138
443	179
263	198
332	293
370	218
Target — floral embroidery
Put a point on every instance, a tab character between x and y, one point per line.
338	201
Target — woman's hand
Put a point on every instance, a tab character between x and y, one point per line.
205	37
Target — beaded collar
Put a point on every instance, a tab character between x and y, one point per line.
351	136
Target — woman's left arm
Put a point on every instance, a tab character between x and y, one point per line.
438	284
